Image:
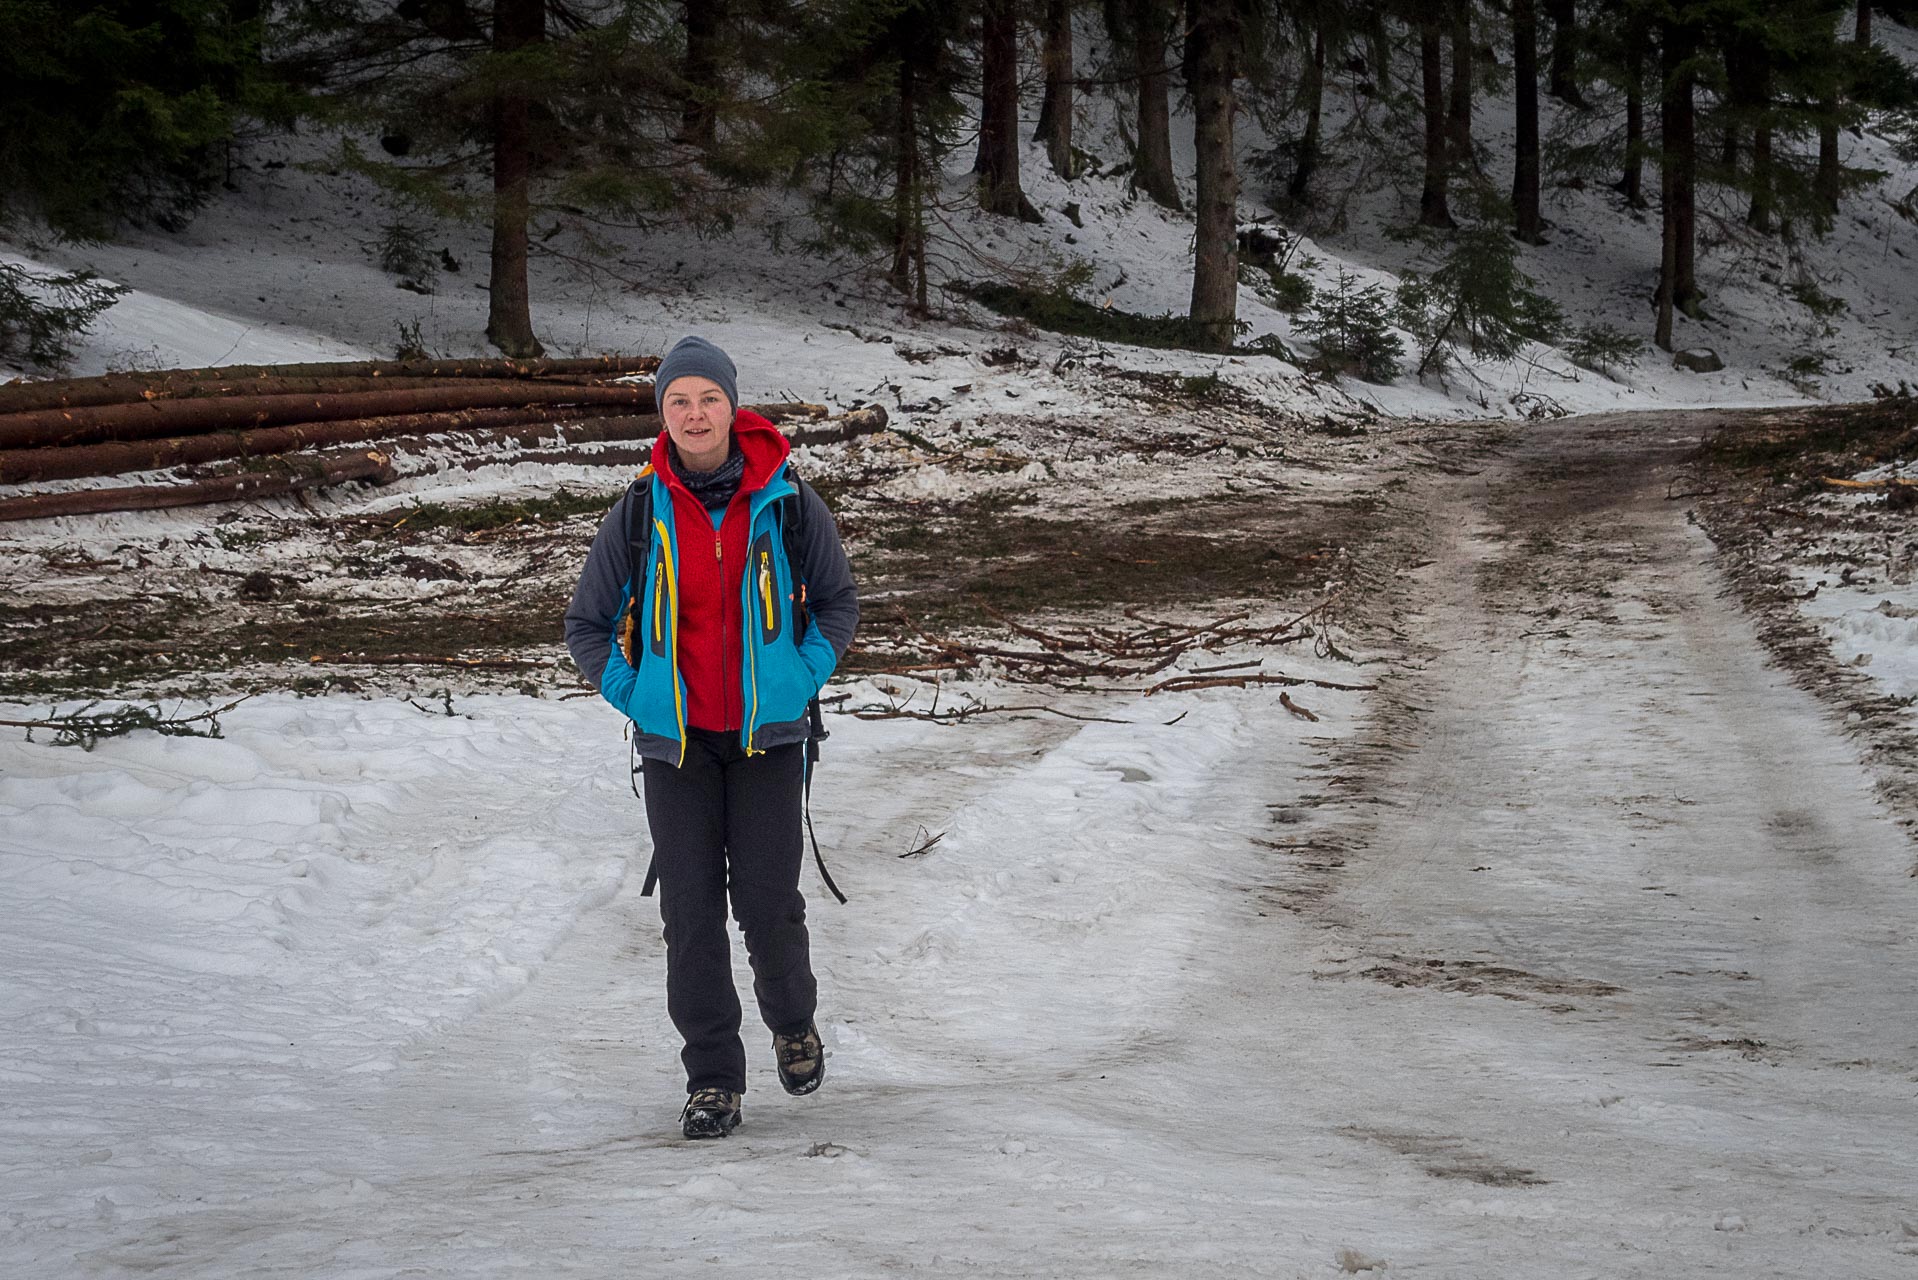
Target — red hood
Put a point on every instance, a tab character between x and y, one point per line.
759	440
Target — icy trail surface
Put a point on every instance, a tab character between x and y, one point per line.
1579	948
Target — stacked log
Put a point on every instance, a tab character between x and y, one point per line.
312	473
147	419
187	417
119	388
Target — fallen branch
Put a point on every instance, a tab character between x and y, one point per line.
84	728
316	473
1889	482
923	845
1185	684
424	660
960	715
129	389
1303	713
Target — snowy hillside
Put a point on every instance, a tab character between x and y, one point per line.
286	266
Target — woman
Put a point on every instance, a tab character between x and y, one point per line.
713	606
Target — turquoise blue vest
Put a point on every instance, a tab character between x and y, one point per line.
781	668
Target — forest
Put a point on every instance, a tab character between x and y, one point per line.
555	122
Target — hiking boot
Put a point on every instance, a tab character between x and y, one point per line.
801	1060
710	1113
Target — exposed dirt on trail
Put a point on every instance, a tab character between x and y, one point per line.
1177	509
1593	786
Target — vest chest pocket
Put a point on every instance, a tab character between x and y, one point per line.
656	625
768	596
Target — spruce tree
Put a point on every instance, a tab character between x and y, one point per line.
116	111
876	85
112	112
586	110
1216	45
998	160
1055	110
1428	19
1527	222
1142	34
519	28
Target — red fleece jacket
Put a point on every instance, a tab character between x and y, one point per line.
711	562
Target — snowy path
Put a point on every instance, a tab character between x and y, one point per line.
1602	805
1165	1000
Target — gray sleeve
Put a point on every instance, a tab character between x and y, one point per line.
830	592
600	595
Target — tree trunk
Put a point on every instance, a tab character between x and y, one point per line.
1458	121
1314	94
908	212
1152	167
1749	61
1677	282
1631	183
517	24
1563	82
1055	113
1434	208
1526	222
557	426
998	163
699	112
1211	66
1759	216
1825	180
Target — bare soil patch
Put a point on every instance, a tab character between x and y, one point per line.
1207	503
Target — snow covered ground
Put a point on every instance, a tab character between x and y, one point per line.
1579	947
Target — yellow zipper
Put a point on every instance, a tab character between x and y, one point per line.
672	589
752	666
659	590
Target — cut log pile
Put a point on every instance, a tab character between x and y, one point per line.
128	422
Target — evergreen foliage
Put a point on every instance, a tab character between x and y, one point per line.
403	252
1603	348
1478	297
41	315
117	110
634	114
1059	311
1352	328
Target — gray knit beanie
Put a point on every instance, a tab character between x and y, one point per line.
694	357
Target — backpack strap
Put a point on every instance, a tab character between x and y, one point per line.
639	542
793	530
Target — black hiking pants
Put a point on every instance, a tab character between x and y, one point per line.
727	826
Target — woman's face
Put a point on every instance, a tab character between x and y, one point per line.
700	421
